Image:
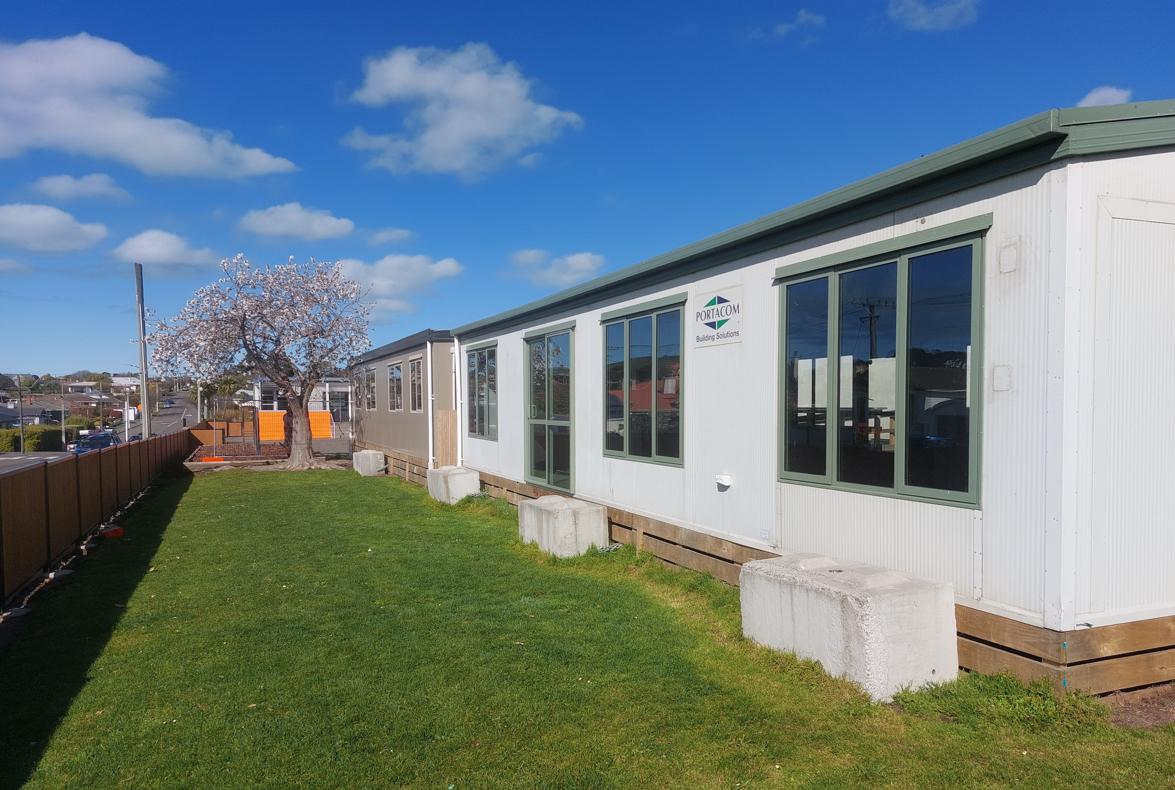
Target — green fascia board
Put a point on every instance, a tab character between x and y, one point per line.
673	300
553	329
1039	140
879	249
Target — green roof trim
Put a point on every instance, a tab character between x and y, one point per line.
1039	140
888	247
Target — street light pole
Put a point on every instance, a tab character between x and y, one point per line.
144	395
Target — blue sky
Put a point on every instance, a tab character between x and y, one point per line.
464	158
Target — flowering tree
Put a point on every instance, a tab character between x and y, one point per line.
292	324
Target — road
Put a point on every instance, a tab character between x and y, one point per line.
167	420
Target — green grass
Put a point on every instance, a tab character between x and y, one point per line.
318	628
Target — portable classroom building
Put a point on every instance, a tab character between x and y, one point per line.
981	325
405	402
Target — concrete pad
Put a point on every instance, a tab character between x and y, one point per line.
562	526
877	627
451	484
368	462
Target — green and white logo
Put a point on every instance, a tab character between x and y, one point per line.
719	320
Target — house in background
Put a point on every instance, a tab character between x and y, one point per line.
925	370
405	405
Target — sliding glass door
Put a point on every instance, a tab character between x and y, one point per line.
548	410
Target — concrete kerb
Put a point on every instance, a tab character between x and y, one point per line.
877	627
563	526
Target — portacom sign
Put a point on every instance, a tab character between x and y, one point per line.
719	317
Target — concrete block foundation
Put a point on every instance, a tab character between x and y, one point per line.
562	526
451	484
368	463
877	627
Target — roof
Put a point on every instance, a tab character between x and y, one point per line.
1050	136
404	344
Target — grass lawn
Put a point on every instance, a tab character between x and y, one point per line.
322	629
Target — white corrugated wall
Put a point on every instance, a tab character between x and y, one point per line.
1015	555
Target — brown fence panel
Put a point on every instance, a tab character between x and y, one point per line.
153	458
62	478
135	465
89	492
109	462
122	456
22	522
145	461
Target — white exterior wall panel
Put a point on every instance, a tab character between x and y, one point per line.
1125	545
1006	556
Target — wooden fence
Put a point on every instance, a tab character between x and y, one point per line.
47	508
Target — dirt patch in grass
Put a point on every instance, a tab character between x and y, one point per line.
1143	709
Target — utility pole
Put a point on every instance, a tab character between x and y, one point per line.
20	412
61	386
144	395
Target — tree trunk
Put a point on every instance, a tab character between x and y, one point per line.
301	451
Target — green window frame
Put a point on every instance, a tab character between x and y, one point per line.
396	387
665	446
543	415
481	366
903	426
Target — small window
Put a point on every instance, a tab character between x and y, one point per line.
369	388
879	374
482	401
643	386
396	387
416	383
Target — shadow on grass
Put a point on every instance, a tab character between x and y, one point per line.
48	662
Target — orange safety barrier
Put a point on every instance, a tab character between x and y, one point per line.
271	425
320	425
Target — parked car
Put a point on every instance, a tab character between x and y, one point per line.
169	403
93	441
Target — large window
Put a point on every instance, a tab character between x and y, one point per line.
416	383
482	399
396	387
642	386
880	375
369	388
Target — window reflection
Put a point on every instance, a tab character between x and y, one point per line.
806	382
867	375
939	407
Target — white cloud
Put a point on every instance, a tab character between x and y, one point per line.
933	17
72	188
391	236
296	221
87	95
393	278
541	269
803	20
468	111
12	267
160	248
40	228
1106	94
